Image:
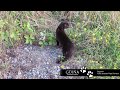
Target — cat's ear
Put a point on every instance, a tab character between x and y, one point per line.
64	20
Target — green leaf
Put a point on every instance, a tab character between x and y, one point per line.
31	37
26	36
50	38
12	35
27	41
3	35
45	43
29	27
30	41
40	43
50	43
25	25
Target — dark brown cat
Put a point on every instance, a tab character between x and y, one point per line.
63	41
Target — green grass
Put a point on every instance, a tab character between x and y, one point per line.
96	34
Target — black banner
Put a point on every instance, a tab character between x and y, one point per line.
90	72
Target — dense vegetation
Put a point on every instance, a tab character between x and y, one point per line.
96	34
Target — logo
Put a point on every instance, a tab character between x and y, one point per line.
90	72
72	72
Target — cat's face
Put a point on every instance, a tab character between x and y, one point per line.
66	25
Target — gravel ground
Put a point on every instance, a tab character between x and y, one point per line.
34	62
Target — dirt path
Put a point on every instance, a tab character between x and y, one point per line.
33	62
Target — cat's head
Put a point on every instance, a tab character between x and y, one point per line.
67	23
